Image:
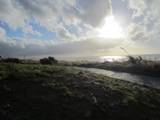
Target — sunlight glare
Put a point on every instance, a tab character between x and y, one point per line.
111	29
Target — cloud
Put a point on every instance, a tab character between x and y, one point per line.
17	13
93	11
28	29
53	14
138	7
48	12
2	33
72	21
11	14
23	47
137	32
144	26
64	35
154	7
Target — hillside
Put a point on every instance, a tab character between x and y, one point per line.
43	92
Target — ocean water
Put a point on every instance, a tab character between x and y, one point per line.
153	57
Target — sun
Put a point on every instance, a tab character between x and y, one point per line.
111	29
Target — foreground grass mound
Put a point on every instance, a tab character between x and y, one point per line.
43	92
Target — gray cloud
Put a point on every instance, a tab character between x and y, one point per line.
18	47
138	32
94	11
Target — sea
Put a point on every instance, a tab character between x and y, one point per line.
152	57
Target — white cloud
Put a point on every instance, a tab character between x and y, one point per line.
54	13
154	6
48	12
85	15
28	29
138	6
64	35
11	14
57	16
144	26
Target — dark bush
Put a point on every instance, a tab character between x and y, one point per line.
135	60
0	59
11	60
49	60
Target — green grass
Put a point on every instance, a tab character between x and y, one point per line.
43	92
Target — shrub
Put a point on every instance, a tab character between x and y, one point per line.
49	60
0	59
135	60
11	60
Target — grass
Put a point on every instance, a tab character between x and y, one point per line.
43	92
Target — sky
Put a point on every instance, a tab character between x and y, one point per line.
36	28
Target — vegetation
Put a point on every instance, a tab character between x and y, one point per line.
134	65
52	92
49	60
9	60
135	60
